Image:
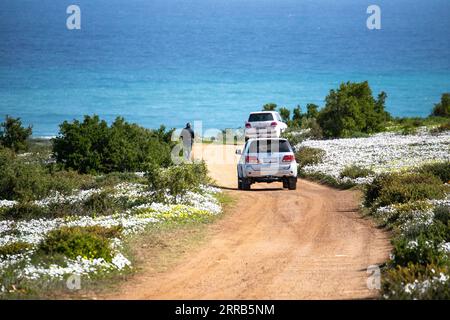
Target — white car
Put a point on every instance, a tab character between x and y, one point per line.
264	124
267	160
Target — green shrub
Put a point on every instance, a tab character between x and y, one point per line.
424	252
114	178
326	179
314	129
14	248
88	242
355	171
408	129
352	108
442	109
177	180
13	135
101	204
395	280
66	181
393	188
25	210
441	128
442	214
20	180
92	146
308	156
438	169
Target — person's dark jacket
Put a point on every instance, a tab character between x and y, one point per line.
187	135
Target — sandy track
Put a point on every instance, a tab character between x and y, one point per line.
274	244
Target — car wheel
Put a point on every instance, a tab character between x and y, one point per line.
285	184
245	184
239	184
292	184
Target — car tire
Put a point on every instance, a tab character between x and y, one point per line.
292	183
246	185
239	184
285	184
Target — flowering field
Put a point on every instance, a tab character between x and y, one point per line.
383	152
26	235
405	179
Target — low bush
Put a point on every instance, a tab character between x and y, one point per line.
88	242
66	181
14	248
326	179
394	188
308	156
420	251
177	180
416	282
24	181
114	178
354	172
100	204
409	129
442	214
443	127
25	210
20	180
438	169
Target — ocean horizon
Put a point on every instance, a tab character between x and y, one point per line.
172	61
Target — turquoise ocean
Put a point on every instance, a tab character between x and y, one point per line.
172	61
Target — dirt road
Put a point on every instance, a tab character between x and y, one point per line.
274	244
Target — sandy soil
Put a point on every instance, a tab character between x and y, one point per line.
273	244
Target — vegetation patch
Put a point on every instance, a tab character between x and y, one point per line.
354	172
388	189
308	156
91	242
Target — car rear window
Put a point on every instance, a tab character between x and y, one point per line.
269	146
255	117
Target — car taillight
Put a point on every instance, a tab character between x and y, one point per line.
273	124
251	159
248	125
288	158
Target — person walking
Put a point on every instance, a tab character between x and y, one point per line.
187	135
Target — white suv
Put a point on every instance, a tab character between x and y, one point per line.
264	124
267	160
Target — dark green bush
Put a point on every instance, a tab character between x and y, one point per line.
14	248
393	188
313	127
25	181
426	252
352	108
66	181
442	214
13	135
442	109
439	169
93	146
179	179
308	156
355	171
25	210
19	180
88	242
101	204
